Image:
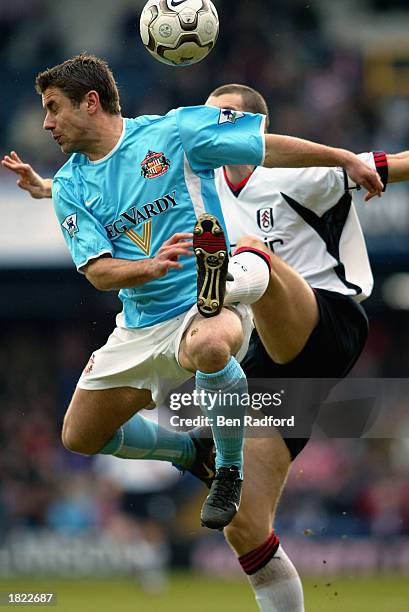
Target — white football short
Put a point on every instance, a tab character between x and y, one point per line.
147	358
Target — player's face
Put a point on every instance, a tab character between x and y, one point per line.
234	101
68	123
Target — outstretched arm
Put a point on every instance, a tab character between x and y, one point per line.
37	186
289	152
281	151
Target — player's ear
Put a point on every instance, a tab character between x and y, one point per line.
266	125
92	100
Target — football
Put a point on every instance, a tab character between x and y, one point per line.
179	32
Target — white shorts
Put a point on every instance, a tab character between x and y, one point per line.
147	357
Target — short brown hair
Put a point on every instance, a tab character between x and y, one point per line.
253	101
79	75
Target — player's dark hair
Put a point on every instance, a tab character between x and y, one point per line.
79	75
253	101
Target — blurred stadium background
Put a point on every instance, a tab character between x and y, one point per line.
335	72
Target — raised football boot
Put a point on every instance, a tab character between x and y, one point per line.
210	248
203	467
223	501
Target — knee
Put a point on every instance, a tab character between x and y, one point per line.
73	441
238	535
251	241
212	355
244	534
212	351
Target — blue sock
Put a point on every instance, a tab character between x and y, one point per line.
140	438
225	389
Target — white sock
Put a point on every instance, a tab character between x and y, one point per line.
277	585
251	275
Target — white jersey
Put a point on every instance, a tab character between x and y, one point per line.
307	217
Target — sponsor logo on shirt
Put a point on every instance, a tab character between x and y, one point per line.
137	215
143	241
154	165
70	224
227	115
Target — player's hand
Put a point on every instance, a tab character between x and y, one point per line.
167	257
369	196
365	176
37	186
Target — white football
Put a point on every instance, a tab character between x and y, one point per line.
179	32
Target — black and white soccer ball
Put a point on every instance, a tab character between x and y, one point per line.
179	32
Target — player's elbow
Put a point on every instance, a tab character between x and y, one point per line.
96	273
99	282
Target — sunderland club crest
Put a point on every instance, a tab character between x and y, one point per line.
265	219
154	165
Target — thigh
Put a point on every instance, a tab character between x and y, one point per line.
287	313
93	416
329	354
138	358
266	464
331	350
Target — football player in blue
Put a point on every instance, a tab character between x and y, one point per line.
127	200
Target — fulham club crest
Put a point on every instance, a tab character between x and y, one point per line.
265	219
154	165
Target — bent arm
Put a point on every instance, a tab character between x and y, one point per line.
109	274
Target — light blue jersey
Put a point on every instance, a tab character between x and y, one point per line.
155	182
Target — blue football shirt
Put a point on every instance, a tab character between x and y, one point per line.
155	182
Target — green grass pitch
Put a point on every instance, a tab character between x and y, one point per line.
192	593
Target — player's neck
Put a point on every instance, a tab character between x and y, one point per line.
105	138
236	174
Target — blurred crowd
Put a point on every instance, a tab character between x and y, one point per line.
316	85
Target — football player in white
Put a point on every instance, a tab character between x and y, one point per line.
309	323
